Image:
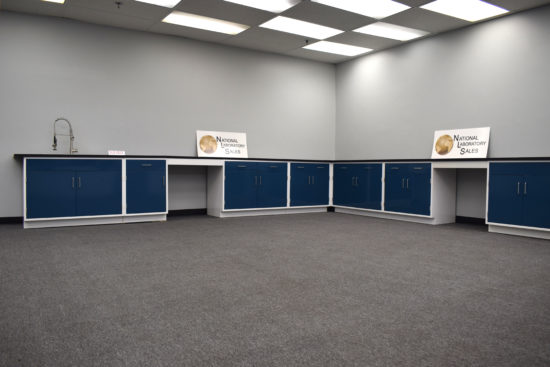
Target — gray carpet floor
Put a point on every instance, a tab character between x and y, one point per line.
321	289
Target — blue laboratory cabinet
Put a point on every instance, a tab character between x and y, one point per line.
358	185
519	194
309	184
73	187
251	185
408	188
145	186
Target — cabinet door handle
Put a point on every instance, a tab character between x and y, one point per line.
402	183
241	166
407	183
309	180
163	181
79	183
73	182
146	165
525	188
518	187
313	180
260	180
255	180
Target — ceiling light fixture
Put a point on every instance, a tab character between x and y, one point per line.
274	6
372	8
206	23
387	30
470	10
163	3
337	48
55	1
306	29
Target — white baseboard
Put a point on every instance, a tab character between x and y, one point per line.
520	231
387	215
91	221
249	213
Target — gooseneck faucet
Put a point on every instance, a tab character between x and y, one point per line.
72	149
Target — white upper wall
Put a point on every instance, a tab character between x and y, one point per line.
147	94
493	74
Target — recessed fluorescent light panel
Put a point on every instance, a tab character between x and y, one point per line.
300	27
274	6
164	3
371	8
55	1
337	48
392	31
470	10
206	23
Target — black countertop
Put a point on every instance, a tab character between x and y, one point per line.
20	156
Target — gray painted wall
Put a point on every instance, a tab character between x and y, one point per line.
493	74
148	94
471	192
186	187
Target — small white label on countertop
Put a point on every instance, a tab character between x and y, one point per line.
116	152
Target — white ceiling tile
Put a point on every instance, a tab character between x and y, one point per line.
107	18
426	20
266	40
318	56
220	9
193	33
327	16
364	40
127	7
413	3
515	5
33	7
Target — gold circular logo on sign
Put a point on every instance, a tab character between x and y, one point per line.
444	144
208	144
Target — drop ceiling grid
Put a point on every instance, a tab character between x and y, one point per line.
146	17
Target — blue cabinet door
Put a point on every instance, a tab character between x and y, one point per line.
368	188
73	187
536	198
357	194
419	187
300	182
397	198
319	184
408	188
505	198
50	189
272	185
145	186
519	194
309	184
342	182
99	187
241	180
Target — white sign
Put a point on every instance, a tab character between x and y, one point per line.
462	143
116	152
221	144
